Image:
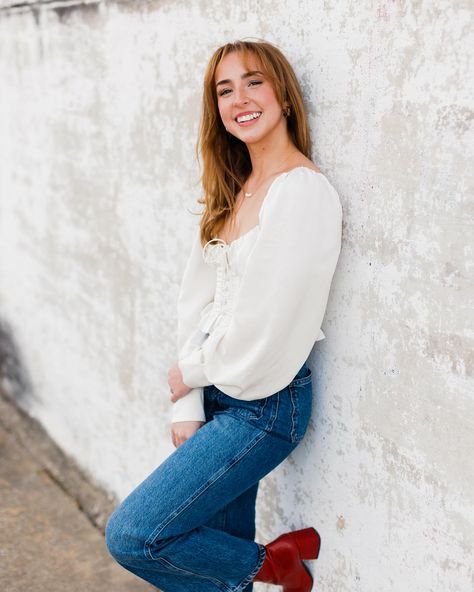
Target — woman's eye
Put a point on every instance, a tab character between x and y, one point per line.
226	90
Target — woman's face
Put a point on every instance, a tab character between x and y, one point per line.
248	94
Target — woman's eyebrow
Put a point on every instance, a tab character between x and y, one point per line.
245	75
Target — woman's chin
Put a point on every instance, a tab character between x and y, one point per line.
251	138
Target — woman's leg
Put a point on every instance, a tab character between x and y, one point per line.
159	532
238	518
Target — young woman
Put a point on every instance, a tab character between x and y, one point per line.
250	308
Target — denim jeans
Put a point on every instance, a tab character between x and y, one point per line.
190	525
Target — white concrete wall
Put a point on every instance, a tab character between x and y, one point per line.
99	109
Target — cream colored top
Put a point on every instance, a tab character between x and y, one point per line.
249	312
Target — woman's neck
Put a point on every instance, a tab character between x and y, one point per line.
268	159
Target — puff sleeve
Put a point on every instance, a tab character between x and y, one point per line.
282	297
196	292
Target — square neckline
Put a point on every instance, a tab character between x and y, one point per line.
228	245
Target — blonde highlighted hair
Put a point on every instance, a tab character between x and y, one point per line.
226	161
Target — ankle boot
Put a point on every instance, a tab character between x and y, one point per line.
283	566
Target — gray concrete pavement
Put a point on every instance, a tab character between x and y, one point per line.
47	544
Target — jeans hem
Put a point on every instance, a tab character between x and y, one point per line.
261	559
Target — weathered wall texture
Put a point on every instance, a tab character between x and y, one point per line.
99	110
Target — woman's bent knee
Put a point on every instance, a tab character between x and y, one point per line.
113	538
120	542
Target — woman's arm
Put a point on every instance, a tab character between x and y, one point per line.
283	295
196	291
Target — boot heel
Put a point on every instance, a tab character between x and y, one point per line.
308	542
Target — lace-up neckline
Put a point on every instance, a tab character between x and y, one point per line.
216	249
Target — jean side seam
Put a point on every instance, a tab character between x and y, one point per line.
271	421
155	533
166	563
249	578
294	415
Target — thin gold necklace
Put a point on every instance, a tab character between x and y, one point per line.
249	194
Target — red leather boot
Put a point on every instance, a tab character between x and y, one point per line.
283	566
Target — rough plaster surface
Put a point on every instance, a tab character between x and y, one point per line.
99	110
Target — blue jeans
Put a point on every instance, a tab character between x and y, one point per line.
190	525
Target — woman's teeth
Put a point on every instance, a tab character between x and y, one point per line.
249	117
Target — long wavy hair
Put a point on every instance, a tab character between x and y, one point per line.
226	161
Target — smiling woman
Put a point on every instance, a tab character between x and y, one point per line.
260	93
250	308
253	127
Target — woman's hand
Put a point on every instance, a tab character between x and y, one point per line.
182	430
177	387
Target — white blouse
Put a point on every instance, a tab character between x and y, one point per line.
249	312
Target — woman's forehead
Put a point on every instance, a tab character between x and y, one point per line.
239	59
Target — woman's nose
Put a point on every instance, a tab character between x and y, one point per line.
241	97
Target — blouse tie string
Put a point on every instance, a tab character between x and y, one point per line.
215	251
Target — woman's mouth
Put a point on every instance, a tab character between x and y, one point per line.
249	119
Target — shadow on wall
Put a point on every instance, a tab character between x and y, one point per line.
14	378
